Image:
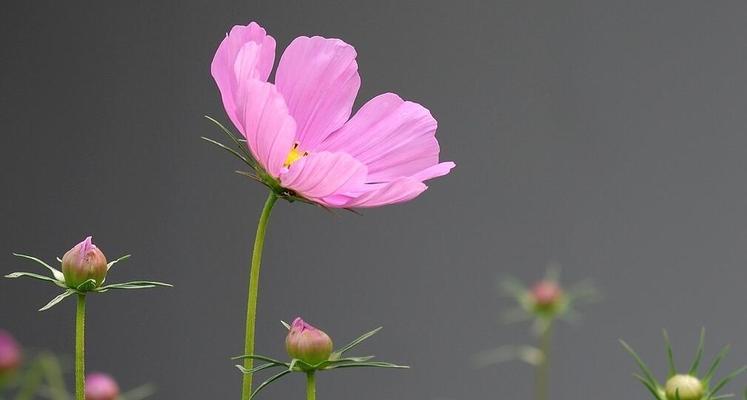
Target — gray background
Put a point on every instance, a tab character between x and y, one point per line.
606	136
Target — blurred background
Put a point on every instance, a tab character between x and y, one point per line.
608	137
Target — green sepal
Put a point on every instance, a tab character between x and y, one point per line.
670	354
87	286
36	276
371	364
654	389
698	354
724	381
716	362
258	368
133	285
111	264
240	144
354	343
260	358
59	298
57	274
649	377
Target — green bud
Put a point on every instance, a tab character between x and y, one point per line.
687	387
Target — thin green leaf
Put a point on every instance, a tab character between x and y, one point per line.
260	358
726	380
372	364
111	264
358	341
346	360
698	354
723	396
134	285
267	382
513	287
652	389
670	354
646	371
59	298
35	276
55	272
228	149
258	368
240	144
716	362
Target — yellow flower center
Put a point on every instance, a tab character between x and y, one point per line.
294	155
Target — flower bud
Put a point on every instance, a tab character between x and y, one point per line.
83	262
10	354
687	387
307	343
101	386
546	295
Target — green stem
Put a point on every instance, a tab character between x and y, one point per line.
542	382
80	351
251	306
310	386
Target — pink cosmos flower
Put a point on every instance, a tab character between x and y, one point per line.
10	353
300	131
100	386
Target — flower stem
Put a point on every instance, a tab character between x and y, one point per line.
310	386
251	306
542	381
80	352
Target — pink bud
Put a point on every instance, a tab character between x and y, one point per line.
83	262
546	294
100	386
10	353
307	343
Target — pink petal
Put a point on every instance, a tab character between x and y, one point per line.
246	50
435	171
319	79
265	123
393	137
324	174
397	191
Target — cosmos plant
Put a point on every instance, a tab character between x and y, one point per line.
542	303
84	270
688	385
311	351
297	136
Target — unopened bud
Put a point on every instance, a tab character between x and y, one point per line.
83	262
307	343
684	387
10	353
101	386
546	295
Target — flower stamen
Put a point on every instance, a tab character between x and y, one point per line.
294	155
